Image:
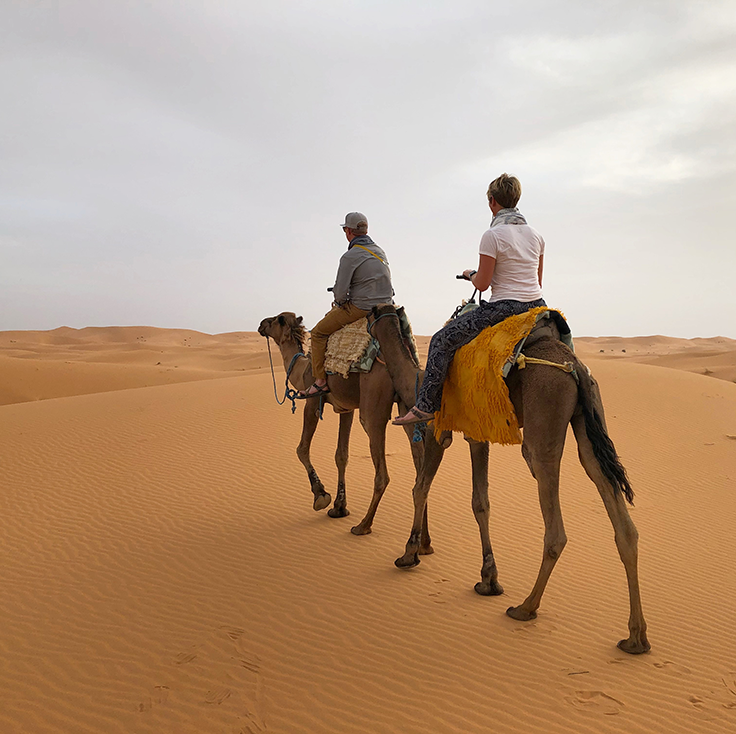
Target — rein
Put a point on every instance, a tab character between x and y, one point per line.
289	393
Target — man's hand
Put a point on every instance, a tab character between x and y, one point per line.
469	273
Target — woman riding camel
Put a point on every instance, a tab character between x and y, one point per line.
511	260
363	281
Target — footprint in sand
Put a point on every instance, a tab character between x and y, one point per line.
217	695
436	597
159	694
184	657
729	682
595	701
671	667
233	633
252	726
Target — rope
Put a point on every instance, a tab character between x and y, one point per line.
289	394
522	361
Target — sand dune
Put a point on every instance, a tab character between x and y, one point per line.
163	570
714	357
37	365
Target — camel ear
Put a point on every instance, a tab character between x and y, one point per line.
282	320
298	319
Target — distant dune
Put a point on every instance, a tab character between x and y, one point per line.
714	357
163	571
37	365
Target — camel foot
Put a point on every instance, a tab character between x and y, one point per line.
521	614
410	560
322	500
488	588
338	512
635	645
426	550
361	530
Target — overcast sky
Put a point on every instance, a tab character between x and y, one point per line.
186	163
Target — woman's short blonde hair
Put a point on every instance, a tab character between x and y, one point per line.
506	190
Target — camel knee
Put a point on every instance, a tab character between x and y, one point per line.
341	457
380	483
302	453
553	548
627	540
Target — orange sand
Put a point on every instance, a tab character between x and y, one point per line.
163	572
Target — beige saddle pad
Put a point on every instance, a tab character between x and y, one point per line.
347	346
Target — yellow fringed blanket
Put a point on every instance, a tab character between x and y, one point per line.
475	399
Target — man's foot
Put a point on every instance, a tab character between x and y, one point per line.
413	416
313	391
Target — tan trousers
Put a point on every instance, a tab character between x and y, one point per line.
337	318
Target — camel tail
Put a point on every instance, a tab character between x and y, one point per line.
603	448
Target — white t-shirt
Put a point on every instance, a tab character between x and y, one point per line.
517	249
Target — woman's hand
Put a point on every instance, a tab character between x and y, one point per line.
469	273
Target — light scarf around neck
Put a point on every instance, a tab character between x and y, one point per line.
508	216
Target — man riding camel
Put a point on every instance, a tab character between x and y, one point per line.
363	281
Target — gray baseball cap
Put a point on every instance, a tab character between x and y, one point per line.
353	220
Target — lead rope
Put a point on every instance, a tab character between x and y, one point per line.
522	361
289	393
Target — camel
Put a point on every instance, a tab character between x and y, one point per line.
546	400
372	393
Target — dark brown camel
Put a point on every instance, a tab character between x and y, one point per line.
372	393
546	400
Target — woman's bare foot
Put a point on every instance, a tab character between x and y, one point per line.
413	416
319	388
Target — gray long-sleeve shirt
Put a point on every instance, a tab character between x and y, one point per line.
363	278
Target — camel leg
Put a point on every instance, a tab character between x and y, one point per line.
545	464
488	585
626	539
417	455
433	453
340	509
322	498
375	427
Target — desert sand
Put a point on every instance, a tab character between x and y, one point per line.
163	571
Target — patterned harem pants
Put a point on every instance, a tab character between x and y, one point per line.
459	332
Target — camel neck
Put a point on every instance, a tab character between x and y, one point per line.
289	351
400	365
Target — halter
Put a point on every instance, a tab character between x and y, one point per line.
289	393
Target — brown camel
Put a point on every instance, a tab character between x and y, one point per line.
372	393
546	400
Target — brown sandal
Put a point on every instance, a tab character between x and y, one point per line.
313	391
413	416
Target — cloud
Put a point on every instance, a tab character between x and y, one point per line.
189	162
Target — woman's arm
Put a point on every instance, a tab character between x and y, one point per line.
541	268
482	279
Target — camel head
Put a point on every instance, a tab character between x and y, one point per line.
285	327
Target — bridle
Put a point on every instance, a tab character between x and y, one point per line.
289	393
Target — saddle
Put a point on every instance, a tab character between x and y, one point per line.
353	349
475	397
